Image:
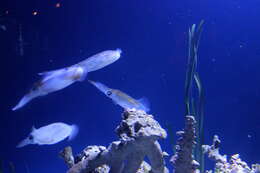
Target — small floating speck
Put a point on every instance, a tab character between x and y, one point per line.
58	5
34	13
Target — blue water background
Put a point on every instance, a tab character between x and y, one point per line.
153	37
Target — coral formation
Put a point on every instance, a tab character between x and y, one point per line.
213	151
183	161
67	155
234	165
138	138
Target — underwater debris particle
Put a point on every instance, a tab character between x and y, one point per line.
3	27
34	13
20	41
58	5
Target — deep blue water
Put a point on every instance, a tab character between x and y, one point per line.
153	37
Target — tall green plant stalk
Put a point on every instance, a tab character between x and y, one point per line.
195	106
200	126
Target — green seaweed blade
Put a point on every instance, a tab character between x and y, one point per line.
195	105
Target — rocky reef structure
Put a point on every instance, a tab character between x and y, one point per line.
138	135
138	138
183	160
222	165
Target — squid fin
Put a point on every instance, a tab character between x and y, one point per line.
145	103
74	131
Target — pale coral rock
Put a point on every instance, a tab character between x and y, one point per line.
234	165
255	168
213	151
183	161
138	134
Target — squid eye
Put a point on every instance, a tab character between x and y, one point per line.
36	86
30	137
109	93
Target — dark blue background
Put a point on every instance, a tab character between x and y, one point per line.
153	37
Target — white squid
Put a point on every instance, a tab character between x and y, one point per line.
50	134
122	99
58	79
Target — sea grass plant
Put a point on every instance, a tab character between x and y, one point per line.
194	101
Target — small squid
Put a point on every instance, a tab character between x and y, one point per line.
50	134
122	99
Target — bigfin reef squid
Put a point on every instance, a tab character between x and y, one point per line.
58	79
122	99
